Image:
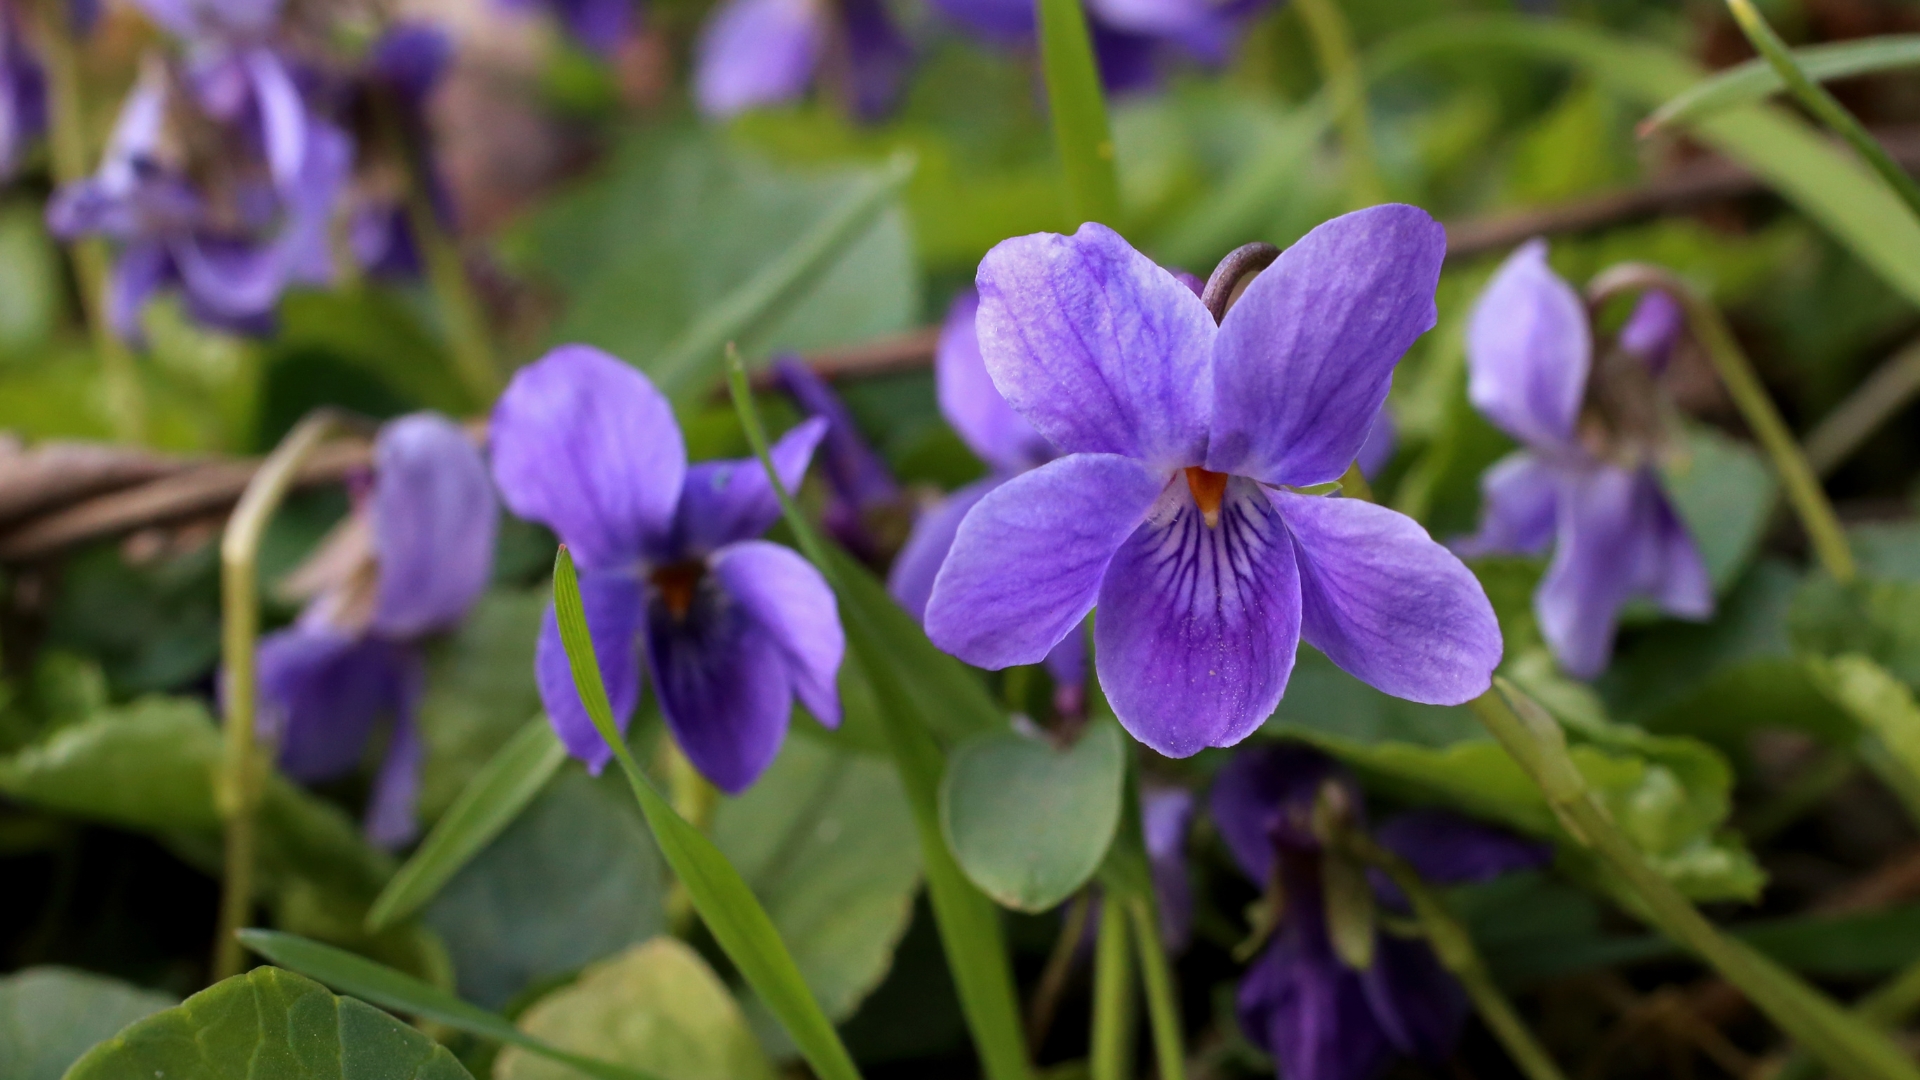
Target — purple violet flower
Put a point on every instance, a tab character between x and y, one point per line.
733	628
230	250
1175	508
1584	482
1132	39
414	555
598	25
755	53
1320	1018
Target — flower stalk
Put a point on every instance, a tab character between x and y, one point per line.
1822	104
244	765
1340	67
1111	1041
1156	978
67	140
1844	1043
1730	363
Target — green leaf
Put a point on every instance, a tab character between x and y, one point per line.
1078	107
1756	80
725	903
496	795
1880	703
1029	823
574	879
1878	619
825	840
656	1007
478	694
687	244
390	989
274	1023
49	1016
1724	492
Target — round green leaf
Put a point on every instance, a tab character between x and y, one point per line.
1029	823
657	1007
269	1022
49	1016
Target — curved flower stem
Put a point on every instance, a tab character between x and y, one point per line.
1156	978
1822	104
1802	486
67	139
1111	1051
1340	66
1843	1042
243	767
1053	977
1454	946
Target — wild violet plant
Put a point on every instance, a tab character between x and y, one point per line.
1177	507
1586	483
731	629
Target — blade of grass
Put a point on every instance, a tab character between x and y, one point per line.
488	804
1078	105
1823	105
725	903
969	924
767	295
381	985
1756	80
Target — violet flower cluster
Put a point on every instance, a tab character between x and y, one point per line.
731	629
1176	507
1301	1002
1584	482
410	560
231	233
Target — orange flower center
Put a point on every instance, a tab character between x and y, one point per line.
1207	488
677	584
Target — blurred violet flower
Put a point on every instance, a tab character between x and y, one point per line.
23	95
1131	38
755	53
414	555
400	73
230	234
1301	1002
1175	508
598	25
733	628
861	490
1584	482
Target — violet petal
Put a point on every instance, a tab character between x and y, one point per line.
1198	624
724	682
786	595
722	502
614	606
970	402
585	445
1519	499
434	520
1528	350
1389	605
757	52
1305	356
910	579
1026	565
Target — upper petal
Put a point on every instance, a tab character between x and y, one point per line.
878	57
1388	604
787	596
910	579
972	404
1263	800
434	519
1305	356
725	501
725	685
613	604
1026	564
1518	500
1198	624
756	52
1099	348
585	445
1528	349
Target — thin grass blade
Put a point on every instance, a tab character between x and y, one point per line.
1756	80
1081	134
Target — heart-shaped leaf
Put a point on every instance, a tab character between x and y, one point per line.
1029	823
49	1016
